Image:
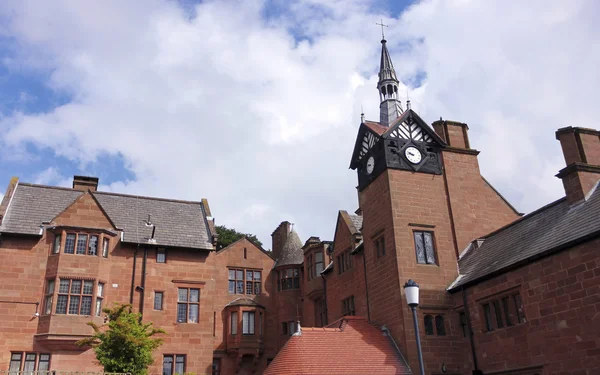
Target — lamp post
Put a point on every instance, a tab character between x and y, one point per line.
411	290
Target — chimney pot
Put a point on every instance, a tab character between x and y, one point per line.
85	183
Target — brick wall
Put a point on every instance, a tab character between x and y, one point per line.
561	297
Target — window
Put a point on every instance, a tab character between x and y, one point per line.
173	364
81	243
348	306
161	256
314	263
216	366
74	297
505	311
320	317
244	281
288	279
318	263
234	323
248	322
30	360
380	246
99	298
158	300
424	247
48	298
288	328
344	261
70	243
188	304
15	362
56	246
434	325
245	254
463	323
105	248
93	246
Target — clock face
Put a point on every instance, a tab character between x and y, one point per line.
370	164
413	155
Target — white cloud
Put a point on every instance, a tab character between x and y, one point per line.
232	107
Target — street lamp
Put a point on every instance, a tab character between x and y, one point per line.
411	290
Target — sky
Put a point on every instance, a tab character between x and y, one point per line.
255	105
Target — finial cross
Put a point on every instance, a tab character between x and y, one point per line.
382	26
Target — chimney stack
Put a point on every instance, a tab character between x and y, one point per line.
85	183
454	133
581	149
279	237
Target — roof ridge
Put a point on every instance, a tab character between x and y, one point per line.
147	197
522	218
48	187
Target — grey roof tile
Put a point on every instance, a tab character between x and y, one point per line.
178	223
292	253
550	227
357	221
32	205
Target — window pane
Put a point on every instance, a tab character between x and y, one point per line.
429	251
76	287
249	275
179	364
318	257
64	286
56	248
86	305
488	317
240	287
520	308
70	243
257	276
249	287
507	314
168	365
257	288
74	305
193	318
161	256
105	248
428	320
29	364
239	274
319	268
93	245
158	300
44	362
181	312
98	306
498	313
15	362
61	305
231	274
463	323
194	295
245	322
100	290
419	247
182	295
440	328
231	287
48	304
81	243
234	319
88	287
50	288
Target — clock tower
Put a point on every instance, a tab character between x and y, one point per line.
423	200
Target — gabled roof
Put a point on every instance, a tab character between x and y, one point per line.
292	253
178	223
554	227
349	346
31	205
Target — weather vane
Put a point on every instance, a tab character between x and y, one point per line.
382	26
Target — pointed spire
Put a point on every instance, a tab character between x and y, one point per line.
390	107
386	68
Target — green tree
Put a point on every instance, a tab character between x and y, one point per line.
228	236
125	344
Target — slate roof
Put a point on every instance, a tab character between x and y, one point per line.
178	223
357	221
292	253
551	228
31	205
349	346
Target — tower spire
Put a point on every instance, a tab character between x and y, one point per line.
390	107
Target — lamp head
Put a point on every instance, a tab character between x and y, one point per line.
411	290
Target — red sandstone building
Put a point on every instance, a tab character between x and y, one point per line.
501	293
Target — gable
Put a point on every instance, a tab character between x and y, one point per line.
411	127
84	212
236	249
365	141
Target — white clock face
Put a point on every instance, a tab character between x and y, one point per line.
413	155
370	164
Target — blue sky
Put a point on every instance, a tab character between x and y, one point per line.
250	104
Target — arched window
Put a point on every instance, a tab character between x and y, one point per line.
428	325
439	325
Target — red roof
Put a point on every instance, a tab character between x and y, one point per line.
353	347
376	127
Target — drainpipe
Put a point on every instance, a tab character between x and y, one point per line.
325	300
133	276
366	285
476	370
143	287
